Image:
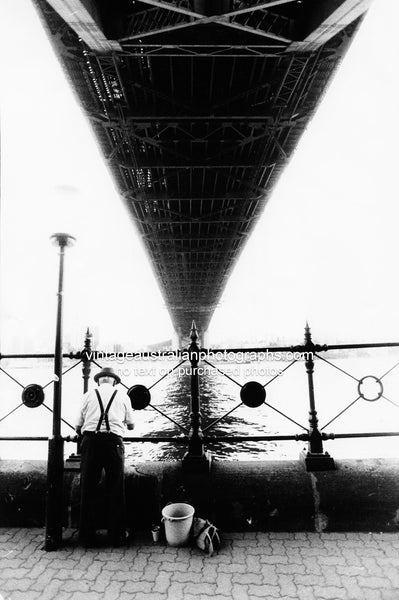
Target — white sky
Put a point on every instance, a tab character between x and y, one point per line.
324	250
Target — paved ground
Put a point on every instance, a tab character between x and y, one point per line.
303	566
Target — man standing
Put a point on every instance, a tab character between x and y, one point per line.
103	414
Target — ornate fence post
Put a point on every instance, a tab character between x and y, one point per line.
195	456
73	461
55	462
315	458
86	359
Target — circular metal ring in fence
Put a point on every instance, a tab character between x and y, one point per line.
253	394
370	388
33	395
140	396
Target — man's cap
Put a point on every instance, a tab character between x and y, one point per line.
107	372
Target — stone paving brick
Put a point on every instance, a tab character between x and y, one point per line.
253	564
290	569
240	554
53	590
162	583
176	591
264	591
246	543
247	578
269	573
372	566
330	593
331	560
311	566
85	596
207	589
260	550
373	582
209	572
196	564
295	558
389	595
372	594
187	577
352	587
287	586
274	559
11	584
29	595
76	585
150	596
282	535
239	592
308	580
232	568
176	566
224	584
305	593
331	576
132	587
162	558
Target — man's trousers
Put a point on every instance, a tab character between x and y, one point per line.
102	451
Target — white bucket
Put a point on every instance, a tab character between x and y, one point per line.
178	519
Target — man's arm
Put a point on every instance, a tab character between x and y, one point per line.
128	414
81	415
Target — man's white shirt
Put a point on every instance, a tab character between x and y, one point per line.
119	414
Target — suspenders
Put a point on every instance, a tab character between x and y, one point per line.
104	413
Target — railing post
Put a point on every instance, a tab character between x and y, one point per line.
72	463
55	463
315	458
86	369
196	456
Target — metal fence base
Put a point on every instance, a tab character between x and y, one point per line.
197	463
317	462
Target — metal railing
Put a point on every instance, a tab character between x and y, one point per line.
252	395
196	437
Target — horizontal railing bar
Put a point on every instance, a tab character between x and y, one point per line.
23	438
72	355
155	440
256	438
163	353
78	355
301	348
355	346
223	438
336	436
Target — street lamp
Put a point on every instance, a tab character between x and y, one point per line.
55	462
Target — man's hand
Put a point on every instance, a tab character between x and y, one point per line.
78	429
130	426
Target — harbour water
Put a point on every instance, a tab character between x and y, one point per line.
288	393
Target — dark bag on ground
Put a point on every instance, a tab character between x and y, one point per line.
205	535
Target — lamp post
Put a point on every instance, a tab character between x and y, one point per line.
55	462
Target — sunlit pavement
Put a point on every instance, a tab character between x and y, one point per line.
305	566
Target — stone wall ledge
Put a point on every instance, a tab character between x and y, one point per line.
360	495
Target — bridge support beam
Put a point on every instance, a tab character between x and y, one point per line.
82	16
324	20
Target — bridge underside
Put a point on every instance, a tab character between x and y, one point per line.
198	105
